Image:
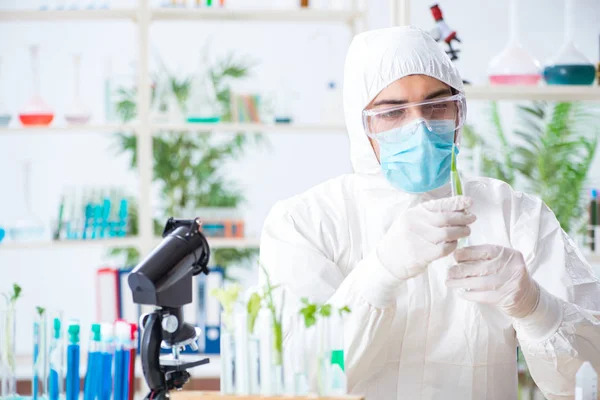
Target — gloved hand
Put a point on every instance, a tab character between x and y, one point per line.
423	234
495	275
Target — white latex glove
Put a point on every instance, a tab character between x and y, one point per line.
495	275
423	234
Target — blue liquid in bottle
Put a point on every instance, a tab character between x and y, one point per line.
570	74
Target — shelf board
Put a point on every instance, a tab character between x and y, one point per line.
67	15
511	92
220	243
70	244
225	14
249	127
214	243
77	129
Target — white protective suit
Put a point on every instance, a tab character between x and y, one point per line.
418	339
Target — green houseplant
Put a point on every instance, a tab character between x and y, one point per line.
549	154
187	166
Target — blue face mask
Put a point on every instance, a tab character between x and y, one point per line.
416	159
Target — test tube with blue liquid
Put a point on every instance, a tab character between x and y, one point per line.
107	361
91	389
73	356
38	382
56	357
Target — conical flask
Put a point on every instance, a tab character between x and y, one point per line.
202	105
569	66
36	112
27	225
165	104
79	113
514	65
5	116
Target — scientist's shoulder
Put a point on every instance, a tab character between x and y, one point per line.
325	201
495	191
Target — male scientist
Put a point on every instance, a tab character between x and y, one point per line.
430	320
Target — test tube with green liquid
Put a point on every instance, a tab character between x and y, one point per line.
457	189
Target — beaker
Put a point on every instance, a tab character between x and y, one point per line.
27	226
79	113
202	105
514	65
569	66
5	116
8	364
36	112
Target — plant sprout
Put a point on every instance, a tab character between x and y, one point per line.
311	311
227	297
277	325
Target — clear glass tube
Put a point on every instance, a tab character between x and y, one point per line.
5	116
8	365
228	366
56	357
298	365
39	387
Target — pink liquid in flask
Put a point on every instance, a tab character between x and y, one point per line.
521	79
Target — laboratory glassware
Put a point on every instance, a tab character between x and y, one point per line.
514	65
569	66
73	357
271	362
586	382
202	105
56	358
79	113
165	105
228	364
27	225
36	112
5	116
8	364
39	388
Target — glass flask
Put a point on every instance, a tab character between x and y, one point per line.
5	116
514	65
202	105
8	364
27	226
79	113
36	112
165	105
569	66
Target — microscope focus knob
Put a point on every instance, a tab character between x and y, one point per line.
169	323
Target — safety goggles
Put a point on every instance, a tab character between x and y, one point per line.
384	124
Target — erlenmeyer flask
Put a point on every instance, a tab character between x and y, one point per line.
165	105
202	105
27	225
36	112
514	65
5	116
79	113
569	66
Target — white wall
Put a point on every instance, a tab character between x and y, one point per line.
294	162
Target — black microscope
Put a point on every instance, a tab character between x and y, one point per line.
164	279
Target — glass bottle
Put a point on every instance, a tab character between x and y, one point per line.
36	112
5	116
514	65
569	66
79	113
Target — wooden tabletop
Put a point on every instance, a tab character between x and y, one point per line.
193	395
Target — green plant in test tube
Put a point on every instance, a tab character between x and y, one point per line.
8	387
227	297
454	176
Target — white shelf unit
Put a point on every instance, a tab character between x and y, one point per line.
144	15
214	243
74	129
549	93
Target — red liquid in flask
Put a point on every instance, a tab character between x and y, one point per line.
521	79
36	119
